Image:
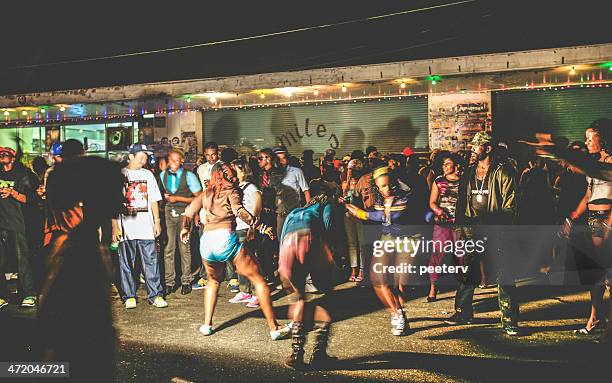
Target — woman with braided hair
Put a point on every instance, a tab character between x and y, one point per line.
391	208
304	250
219	244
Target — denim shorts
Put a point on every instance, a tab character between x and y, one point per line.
219	245
596	220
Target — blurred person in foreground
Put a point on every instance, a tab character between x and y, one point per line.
75	319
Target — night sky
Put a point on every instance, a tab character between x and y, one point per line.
34	35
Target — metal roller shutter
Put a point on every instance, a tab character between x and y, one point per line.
390	125
567	112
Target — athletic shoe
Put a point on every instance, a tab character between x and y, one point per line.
130	303
253	303
234	286
206	330
142	279
28	301
14	276
511	330
160	303
3	303
241	298
199	285
185	289
310	288
458	319
281	332
398	323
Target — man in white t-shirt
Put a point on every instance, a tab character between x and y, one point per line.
137	229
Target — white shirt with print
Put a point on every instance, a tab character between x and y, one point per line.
141	191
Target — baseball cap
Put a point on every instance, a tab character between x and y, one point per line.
138	147
407	151
8	151
280	149
482	138
56	149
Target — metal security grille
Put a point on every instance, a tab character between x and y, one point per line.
389	125
517	114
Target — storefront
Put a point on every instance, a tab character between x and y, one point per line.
109	140
390	125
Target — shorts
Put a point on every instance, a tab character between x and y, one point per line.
219	245
596	221
301	254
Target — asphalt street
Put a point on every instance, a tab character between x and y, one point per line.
165	345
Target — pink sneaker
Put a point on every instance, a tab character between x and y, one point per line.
241	298
253	302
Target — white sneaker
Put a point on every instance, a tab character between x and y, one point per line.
281	332
160	303
206	330
130	303
398	323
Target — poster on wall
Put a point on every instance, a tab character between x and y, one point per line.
455	118
118	138
189	145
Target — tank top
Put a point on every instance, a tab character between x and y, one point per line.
448	195
601	190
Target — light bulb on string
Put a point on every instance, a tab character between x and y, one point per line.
315	92
62	109
213	100
6	113
572	71
344	89
262	96
25	113
403	85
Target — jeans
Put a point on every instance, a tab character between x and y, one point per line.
506	288
12	242
174	223
355	241
150	267
245	284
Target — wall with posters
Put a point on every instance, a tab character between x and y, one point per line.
455	118
181	133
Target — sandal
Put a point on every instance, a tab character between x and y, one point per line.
358	278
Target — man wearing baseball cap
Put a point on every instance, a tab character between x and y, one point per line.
138	229
66	152
487	196
14	189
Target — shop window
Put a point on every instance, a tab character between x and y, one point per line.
32	140
93	136
7	137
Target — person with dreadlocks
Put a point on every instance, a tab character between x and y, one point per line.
219	244
391	208
304	250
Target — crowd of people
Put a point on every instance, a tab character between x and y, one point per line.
272	218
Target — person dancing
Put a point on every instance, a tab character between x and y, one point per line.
598	201
304	250
391	209
219	244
